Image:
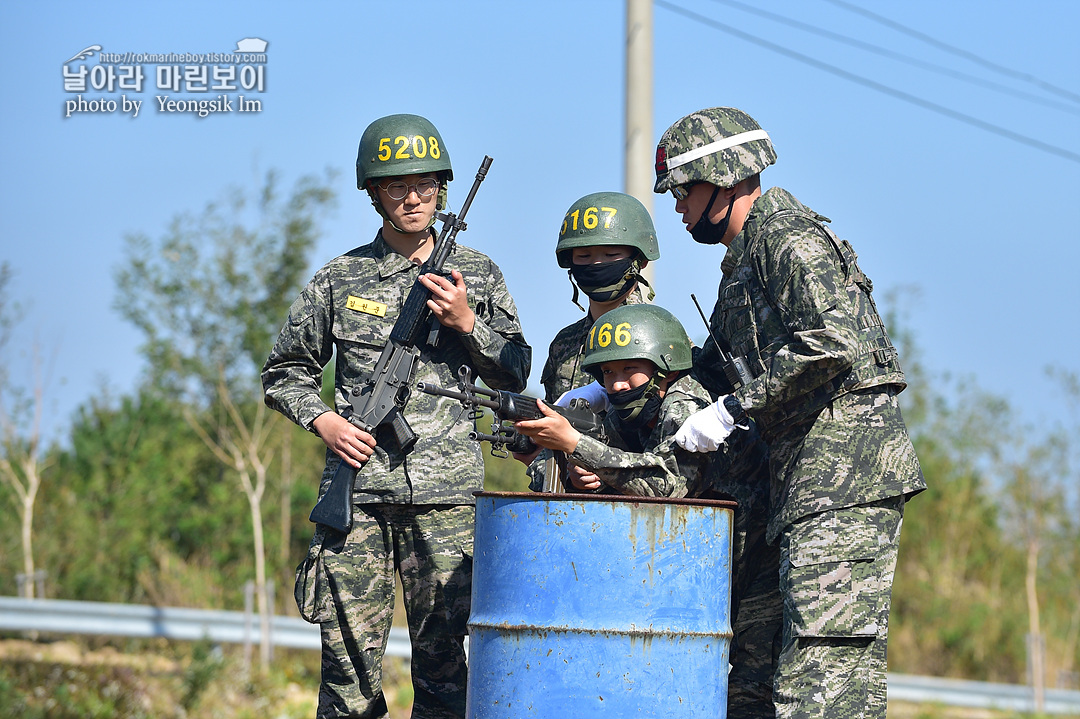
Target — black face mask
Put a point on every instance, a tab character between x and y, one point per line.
605	281
705	231
637	407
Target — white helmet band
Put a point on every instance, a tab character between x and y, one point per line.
713	147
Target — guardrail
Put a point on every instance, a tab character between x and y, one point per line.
137	620
134	620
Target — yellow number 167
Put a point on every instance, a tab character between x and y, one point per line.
588	218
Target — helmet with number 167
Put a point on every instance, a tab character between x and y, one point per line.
607	218
719	145
402	145
639	331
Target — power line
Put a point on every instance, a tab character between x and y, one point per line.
899	94
868	47
1026	77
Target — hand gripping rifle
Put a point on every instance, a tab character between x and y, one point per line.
379	401
508	408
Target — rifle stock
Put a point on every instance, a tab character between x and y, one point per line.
334	508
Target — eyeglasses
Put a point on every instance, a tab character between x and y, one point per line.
681	192
398	190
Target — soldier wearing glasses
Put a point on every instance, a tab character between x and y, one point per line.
412	512
822	386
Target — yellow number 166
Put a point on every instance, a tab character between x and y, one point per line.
602	335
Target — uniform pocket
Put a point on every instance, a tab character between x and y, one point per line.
361	328
312	588
832	586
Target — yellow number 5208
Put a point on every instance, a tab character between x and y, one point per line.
409	147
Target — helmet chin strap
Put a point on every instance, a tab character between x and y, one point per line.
704	231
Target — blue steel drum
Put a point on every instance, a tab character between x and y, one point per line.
596	605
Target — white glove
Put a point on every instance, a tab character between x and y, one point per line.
594	393
706	429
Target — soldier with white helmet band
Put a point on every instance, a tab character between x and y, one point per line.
821	380
412	509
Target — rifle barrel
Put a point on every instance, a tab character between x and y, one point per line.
463	397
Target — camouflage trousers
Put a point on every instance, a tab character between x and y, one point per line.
836	574
431	548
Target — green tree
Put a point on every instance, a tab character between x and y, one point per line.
1032	516
956	607
209	297
990	554
955	597
1064	549
22	461
116	534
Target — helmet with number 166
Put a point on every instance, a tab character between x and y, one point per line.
719	145
607	218
640	331
402	145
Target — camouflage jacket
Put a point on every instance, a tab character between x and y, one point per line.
444	467
794	303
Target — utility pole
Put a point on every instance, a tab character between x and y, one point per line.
639	149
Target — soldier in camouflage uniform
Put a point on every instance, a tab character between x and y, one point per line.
642	355
794	305
412	512
606	240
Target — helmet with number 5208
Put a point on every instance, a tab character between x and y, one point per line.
402	145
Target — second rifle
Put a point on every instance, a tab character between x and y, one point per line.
509	407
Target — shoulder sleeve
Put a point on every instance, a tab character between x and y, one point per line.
547	377
292	374
562	369
496	346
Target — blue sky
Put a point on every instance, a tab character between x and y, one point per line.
982	226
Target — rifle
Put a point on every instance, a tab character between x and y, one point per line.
508	408
735	369
380	400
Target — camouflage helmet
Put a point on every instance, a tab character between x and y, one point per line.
719	145
639	331
607	218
